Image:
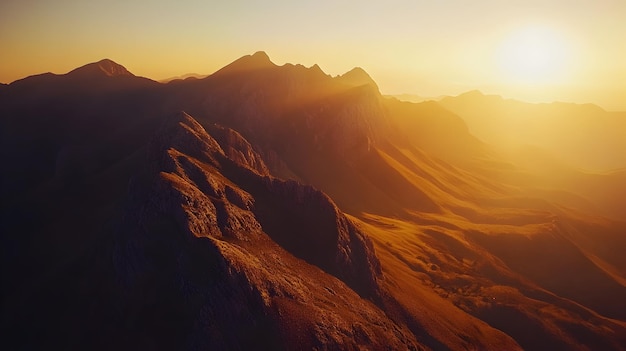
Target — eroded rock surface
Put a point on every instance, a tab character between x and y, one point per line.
199	239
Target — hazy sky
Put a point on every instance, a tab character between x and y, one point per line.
537	50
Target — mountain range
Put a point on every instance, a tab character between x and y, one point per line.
278	207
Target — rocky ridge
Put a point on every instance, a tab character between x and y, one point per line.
198	235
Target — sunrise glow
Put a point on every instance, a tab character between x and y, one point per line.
564	51
535	56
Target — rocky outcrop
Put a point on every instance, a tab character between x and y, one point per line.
307	223
300	218
200	249
238	149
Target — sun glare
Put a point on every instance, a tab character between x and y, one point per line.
534	55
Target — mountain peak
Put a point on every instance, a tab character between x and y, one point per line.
357	77
256	61
472	93
317	68
105	67
478	96
261	56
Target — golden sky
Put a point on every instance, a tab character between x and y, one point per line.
535	50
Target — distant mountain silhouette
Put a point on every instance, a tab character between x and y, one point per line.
583	135
409	98
581	141
103	67
44	117
288	209
47	86
258	60
183	77
356	77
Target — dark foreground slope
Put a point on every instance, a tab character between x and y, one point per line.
189	261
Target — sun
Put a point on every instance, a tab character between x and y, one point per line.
534	55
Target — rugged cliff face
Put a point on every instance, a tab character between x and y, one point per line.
238	149
232	272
